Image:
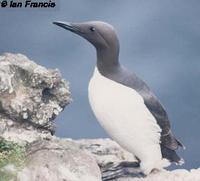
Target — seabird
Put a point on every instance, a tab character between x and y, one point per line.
123	104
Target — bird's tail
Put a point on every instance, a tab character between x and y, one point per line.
171	155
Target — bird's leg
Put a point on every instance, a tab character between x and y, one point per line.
112	170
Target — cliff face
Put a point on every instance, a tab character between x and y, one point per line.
31	96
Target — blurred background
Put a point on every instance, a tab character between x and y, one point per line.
160	41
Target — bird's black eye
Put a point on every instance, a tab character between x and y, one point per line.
92	29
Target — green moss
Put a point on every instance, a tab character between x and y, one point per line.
10	153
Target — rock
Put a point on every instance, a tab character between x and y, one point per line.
31	96
113	160
59	160
10	168
105	151
164	175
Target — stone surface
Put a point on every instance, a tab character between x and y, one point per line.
175	175
107	151
58	160
31	96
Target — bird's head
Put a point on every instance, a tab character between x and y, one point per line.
102	35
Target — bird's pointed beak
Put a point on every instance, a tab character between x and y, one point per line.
68	26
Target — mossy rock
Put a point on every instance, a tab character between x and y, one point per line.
11	154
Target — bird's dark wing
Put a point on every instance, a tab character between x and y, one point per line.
158	111
168	142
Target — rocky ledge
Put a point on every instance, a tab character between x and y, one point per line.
31	96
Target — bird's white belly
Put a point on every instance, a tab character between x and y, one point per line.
122	113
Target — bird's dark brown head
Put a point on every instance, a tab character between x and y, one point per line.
100	34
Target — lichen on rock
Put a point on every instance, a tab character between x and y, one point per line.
31	96
30	93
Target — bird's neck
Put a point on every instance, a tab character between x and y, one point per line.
107	59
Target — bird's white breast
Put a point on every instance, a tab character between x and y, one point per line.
122	113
